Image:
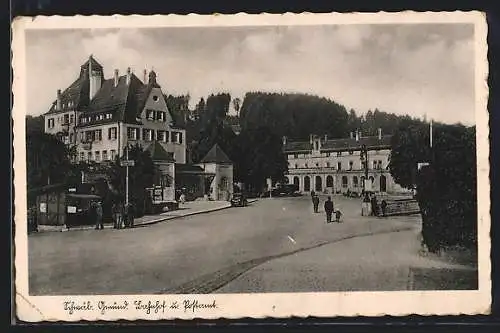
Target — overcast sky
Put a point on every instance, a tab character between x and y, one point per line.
406	69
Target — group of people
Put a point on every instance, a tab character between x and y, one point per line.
376	209
328	206
122	215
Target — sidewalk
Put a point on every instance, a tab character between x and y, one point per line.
188	209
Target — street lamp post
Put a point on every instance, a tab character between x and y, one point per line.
126	178
364	157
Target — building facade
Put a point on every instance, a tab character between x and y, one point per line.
337	166
99	117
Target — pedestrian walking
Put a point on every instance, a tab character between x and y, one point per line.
182	198
99	216
329	209
374	205
118	215
315	203
92	214
384	207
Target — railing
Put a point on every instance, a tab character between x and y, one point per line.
400	207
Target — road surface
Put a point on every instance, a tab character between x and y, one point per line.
221	252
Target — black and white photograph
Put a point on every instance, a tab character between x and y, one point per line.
251	165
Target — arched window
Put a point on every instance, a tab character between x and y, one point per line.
307	183
329	181
344	181
296	181
319	186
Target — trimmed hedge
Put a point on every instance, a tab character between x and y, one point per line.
446	191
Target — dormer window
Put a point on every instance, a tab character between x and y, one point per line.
155	98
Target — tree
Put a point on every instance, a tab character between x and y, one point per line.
237	105
47	160
211	127
141	176
179	107
446	189
35	124
409	146
258	155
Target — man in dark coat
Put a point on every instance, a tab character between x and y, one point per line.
329	209
99	216
315	203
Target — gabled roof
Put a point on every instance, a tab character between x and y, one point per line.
216	155
158	153
124	101
77	93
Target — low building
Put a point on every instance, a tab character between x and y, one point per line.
216	162
337	166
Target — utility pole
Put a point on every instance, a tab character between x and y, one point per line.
126	179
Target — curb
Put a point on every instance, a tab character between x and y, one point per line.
166	218
188	214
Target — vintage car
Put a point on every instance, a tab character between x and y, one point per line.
239	200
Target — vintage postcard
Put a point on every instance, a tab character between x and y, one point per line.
230	166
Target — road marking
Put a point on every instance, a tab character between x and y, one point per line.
292	240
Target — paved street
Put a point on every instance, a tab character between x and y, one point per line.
271	245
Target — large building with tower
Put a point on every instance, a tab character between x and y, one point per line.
99	117
337	166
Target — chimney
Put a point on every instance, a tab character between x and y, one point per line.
128	75
284	140
145	80
311	139
59	102
326	138
352	135
357	135
380	134
117	77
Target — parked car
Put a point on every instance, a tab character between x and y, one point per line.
239	200
283	191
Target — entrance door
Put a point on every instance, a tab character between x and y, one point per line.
296	181
307	184
383	184
319	186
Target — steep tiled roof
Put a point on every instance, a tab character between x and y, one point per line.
216	155
77	93
125	101
158	153
371	142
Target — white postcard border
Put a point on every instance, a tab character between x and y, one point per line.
277	305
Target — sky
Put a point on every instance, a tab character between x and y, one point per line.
414	69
